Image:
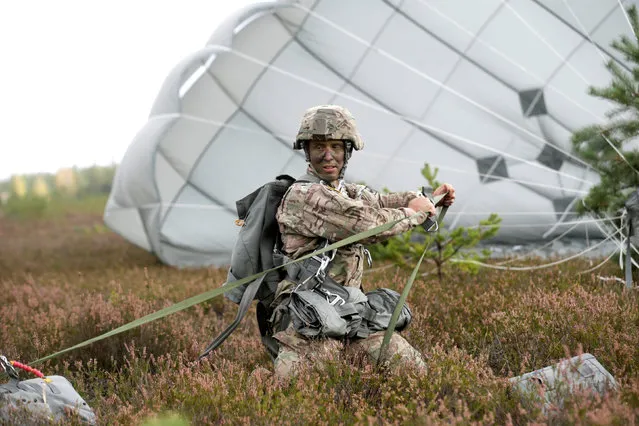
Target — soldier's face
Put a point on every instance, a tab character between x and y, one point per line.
327	158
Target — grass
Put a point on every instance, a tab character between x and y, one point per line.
65	279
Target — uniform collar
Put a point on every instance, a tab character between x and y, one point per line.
312	176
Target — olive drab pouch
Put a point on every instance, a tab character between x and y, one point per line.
329	310
379	310
332	310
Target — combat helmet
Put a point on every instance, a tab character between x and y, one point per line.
329	122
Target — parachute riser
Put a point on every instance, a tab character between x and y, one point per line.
628	254
436	221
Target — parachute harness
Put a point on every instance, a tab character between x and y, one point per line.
320	274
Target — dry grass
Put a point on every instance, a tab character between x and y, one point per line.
67	279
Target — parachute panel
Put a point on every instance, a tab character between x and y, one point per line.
590	110
459	20
239	70
208	100
183	144
291	95
128	223
488	91
194	220
243	136
170	182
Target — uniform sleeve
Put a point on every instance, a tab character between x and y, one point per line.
396	200
317	211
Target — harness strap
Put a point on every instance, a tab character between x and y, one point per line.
243	308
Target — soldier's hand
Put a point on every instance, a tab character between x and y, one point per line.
449	199
422	204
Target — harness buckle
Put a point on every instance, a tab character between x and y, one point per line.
8	368
369	258
336	298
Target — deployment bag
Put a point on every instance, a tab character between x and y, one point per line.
52	399
46	398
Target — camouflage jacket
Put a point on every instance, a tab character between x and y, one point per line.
312	212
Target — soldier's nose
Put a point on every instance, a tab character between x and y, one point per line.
328	155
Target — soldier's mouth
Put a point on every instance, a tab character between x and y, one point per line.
329	169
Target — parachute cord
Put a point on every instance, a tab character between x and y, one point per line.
573	222
627	18
549	243
611	279
622	240
619	231
623	244
533	268
599	265
561	219
31	370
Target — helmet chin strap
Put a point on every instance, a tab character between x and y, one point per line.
341	172
348	151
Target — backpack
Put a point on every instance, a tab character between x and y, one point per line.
257	249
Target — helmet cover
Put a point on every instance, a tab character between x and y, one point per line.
328	122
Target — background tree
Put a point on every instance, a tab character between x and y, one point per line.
66	182
40	188
609	147
19	186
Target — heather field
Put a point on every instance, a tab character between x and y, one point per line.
65	278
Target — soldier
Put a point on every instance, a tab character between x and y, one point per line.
327	208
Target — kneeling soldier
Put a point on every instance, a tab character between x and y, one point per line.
321	209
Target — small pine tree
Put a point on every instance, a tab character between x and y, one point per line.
606	146
406	249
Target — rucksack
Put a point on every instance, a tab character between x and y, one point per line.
256	249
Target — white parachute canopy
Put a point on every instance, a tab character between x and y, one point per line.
487	91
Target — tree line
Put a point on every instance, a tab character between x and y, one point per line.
72	182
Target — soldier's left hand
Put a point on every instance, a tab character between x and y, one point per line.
449	199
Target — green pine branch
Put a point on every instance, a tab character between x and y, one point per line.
404	250
600	145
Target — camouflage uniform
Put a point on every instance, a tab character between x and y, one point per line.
312	212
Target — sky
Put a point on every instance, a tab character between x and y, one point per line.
78	78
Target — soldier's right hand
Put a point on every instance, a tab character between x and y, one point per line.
422	204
